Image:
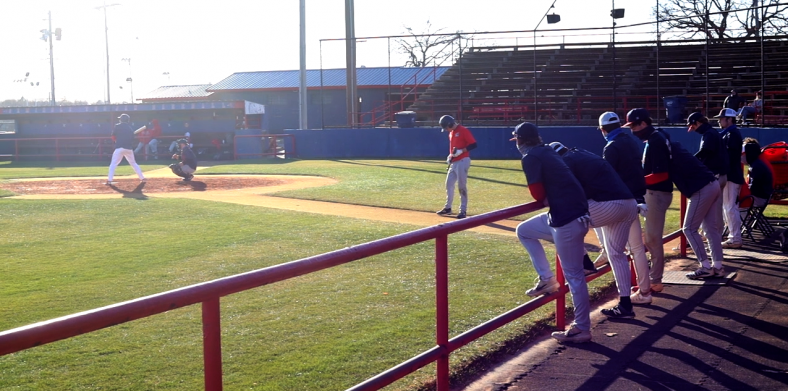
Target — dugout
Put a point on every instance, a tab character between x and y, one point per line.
75	132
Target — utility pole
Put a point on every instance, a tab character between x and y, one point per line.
106	41
51	59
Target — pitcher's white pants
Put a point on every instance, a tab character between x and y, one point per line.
117	156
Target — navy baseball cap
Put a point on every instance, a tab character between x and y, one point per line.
636	115
525	130
694	117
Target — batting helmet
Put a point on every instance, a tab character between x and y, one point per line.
447	121
124	118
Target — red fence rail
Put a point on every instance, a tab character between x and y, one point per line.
64	147
209	294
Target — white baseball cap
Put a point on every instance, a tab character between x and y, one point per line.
726	113
608	118
187	134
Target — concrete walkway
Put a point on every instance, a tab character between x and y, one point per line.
692	337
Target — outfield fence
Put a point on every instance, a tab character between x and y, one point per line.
208	294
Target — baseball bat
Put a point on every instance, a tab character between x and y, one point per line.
140	129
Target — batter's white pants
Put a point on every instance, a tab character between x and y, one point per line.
730	211
703	207
615	218
117	156
658	203
458	173
569	245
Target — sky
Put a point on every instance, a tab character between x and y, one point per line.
178	42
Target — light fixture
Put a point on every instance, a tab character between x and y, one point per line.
617	13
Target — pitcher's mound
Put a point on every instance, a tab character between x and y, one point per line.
153	185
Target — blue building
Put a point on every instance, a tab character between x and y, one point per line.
381	91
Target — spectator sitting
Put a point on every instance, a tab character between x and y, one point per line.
754	108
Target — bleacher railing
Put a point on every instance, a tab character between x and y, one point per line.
208	295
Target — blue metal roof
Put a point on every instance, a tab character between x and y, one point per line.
179	92
366	77
129	108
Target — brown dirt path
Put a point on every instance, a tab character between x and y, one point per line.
236	189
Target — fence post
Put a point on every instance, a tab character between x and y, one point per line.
682	238
442	309
560	302
212	344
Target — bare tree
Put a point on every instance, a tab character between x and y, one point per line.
726	18
431	47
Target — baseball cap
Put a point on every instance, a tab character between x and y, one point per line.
187	134
608	118
558	147
182	141
636	115
694	117
123	117
726	113
525	130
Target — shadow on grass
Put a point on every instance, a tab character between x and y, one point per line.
136	193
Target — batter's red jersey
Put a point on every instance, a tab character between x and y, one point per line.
460	137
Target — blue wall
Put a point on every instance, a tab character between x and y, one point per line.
430	143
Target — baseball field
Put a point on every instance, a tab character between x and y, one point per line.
324	331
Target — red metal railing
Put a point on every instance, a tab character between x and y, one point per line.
268	145
209	294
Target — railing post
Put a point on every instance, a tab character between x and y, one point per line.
16	150
57	149
560	302
682	238
442	309
212	344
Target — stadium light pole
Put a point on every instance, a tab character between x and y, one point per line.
302	86
615	14
550	20
106	42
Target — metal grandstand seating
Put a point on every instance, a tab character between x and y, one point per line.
574	82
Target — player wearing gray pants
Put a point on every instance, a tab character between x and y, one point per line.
461	142
703	208
551	183
458	174
658	203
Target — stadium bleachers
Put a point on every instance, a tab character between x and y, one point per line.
575	82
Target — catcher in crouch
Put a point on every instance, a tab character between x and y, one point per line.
188	161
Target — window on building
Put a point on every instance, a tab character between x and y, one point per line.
7	126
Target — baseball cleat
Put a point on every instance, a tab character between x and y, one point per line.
444	211
461	215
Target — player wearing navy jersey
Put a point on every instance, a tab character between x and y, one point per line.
612	208
665	162
123	135
731	141
565	224
622	151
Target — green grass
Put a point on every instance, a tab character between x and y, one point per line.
326	330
